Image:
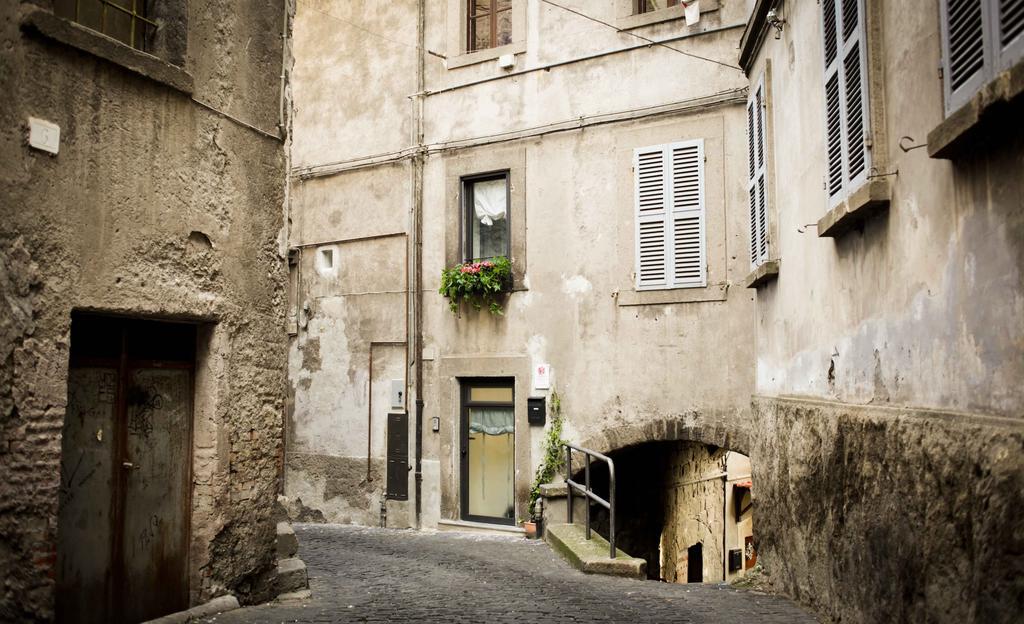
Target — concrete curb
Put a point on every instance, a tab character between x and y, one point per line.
215	606
591	556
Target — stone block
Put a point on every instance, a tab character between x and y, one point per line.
287	543
591	556
291	576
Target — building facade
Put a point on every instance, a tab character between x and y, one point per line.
143	283
539	132
890	341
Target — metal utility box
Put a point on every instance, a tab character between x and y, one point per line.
398	457
536	412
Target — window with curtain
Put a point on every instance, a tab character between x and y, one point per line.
486	200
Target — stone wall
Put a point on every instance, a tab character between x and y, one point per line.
156	206
874	514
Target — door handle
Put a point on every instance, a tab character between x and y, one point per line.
127	464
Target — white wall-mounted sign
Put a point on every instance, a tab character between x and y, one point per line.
542	376
43	135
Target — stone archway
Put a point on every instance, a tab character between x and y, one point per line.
682	486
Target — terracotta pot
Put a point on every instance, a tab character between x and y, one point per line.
531	530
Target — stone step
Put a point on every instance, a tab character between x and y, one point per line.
287	543
291	576
591	556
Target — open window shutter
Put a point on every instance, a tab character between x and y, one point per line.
833	107
1010	28
650	165
688	267
963	45
846	98
756	176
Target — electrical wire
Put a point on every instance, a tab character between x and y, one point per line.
633	34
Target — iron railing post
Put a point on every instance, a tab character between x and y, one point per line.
611	508
586	480
568	478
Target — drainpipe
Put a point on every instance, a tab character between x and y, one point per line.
417	209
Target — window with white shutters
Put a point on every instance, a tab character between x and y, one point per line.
846	97
980	38
756	179
670	220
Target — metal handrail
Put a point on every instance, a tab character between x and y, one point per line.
589	493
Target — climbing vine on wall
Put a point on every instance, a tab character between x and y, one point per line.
553	453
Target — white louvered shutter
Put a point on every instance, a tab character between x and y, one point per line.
963	45
980	38
670	216
756	179
846	96
1010	29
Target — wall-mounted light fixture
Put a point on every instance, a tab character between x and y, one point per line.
776	22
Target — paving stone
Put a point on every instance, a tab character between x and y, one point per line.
388	575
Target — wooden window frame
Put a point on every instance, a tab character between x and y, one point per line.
640	6
492	14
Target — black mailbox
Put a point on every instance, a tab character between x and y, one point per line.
735	560
536	414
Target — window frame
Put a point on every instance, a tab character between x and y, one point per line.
639	7
492	14
467	214
668	217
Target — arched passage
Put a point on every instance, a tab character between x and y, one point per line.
684	504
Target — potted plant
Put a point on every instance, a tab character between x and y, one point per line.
477	283
552	461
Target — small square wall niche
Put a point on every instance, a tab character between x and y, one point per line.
327	260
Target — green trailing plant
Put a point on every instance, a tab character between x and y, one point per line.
477	283
553	454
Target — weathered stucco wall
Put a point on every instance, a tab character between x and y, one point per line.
155	206
890	494
618	359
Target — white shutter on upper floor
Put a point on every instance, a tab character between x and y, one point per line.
846	96
670	221
756	182
980	39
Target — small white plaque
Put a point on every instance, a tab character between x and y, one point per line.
542	376
507	61
43	135
692	12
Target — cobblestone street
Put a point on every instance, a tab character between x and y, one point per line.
375	575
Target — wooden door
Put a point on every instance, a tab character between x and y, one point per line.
123	530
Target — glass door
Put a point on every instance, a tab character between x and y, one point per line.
488	451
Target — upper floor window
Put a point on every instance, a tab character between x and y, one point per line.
670	220
846	97
490	24
128	21
647	6
485	225
756	179
980	38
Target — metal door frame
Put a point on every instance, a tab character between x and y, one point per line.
464	404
